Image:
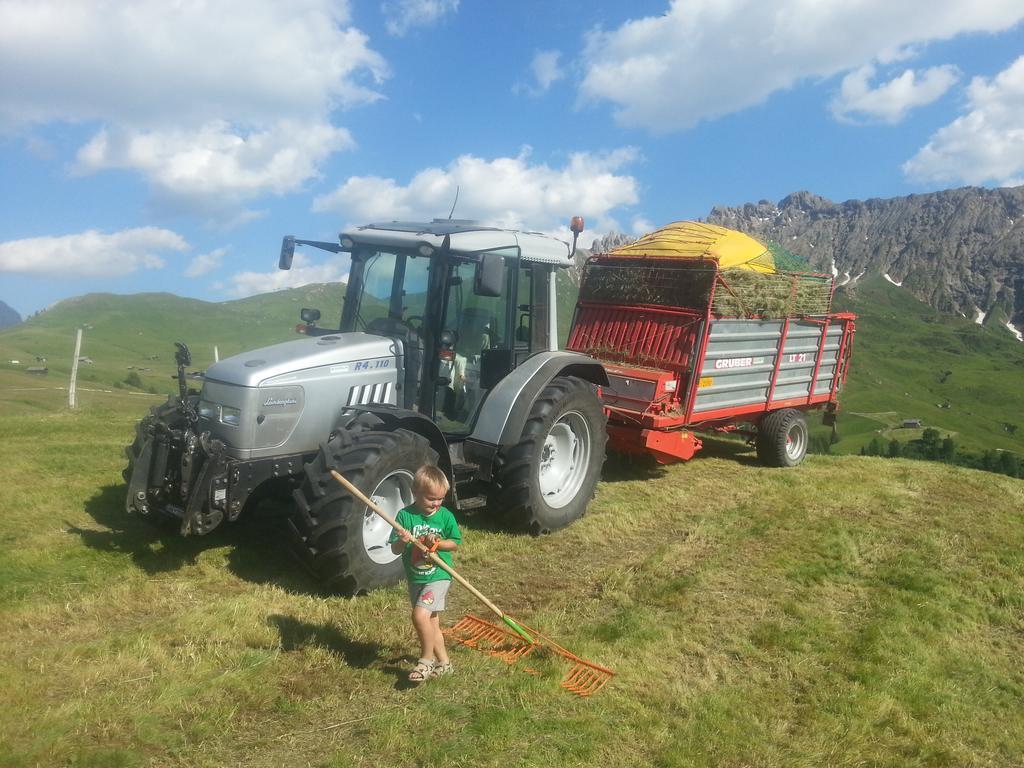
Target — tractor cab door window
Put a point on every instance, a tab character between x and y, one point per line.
532	311
480	327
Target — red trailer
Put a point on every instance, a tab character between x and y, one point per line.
699	335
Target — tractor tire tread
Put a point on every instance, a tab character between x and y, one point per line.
515	465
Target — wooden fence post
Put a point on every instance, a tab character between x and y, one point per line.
74	370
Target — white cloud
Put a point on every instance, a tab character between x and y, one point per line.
186	88
985	145
303	272
90	253
403	15
150	63
707	58
891	101
546	70
641	226
216	168
506	190
205	262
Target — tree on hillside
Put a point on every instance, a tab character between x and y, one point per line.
990	460
874	448
948	449
1009	464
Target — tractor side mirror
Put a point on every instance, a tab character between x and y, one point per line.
489	278
309	316
287	252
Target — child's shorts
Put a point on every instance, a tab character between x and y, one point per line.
431	595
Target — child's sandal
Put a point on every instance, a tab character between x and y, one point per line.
423	670
442	669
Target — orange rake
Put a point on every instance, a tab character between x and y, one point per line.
473	632
584	678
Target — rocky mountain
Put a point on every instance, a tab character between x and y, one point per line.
611	240
959	250
8	316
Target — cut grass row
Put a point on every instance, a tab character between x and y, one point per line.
852	611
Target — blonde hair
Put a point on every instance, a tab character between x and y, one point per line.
429	478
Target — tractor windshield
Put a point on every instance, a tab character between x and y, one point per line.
387	293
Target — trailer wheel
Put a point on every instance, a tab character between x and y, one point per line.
782	438
342	542
546	480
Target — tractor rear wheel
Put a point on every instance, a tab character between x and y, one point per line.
547	479
782	438
344	543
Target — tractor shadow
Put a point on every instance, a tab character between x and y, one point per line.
619	468
623	467
297	635
728	448
256	553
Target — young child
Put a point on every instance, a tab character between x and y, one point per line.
434	526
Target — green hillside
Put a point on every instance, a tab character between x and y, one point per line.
126	333
910	362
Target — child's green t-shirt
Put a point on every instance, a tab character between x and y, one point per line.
419	569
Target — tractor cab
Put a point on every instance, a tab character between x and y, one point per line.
464	304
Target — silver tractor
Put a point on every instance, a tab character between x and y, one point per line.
445	353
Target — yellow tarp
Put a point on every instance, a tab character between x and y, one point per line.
693	240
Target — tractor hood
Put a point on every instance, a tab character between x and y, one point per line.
291	360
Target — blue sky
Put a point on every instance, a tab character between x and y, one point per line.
156	146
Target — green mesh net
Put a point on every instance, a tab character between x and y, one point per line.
786	260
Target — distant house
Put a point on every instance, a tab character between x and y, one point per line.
86	360
911	423
36	369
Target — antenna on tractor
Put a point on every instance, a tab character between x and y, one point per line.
454	203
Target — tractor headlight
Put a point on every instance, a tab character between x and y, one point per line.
230	416
208	410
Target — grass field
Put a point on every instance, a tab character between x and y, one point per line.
850	612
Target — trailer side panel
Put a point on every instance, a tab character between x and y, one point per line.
751	366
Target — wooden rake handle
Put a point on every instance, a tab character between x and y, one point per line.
433	557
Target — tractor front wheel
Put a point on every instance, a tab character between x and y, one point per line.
344	543
547	479
782	438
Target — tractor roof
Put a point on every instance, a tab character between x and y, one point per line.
465	238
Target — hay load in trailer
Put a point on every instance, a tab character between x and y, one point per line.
703	328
